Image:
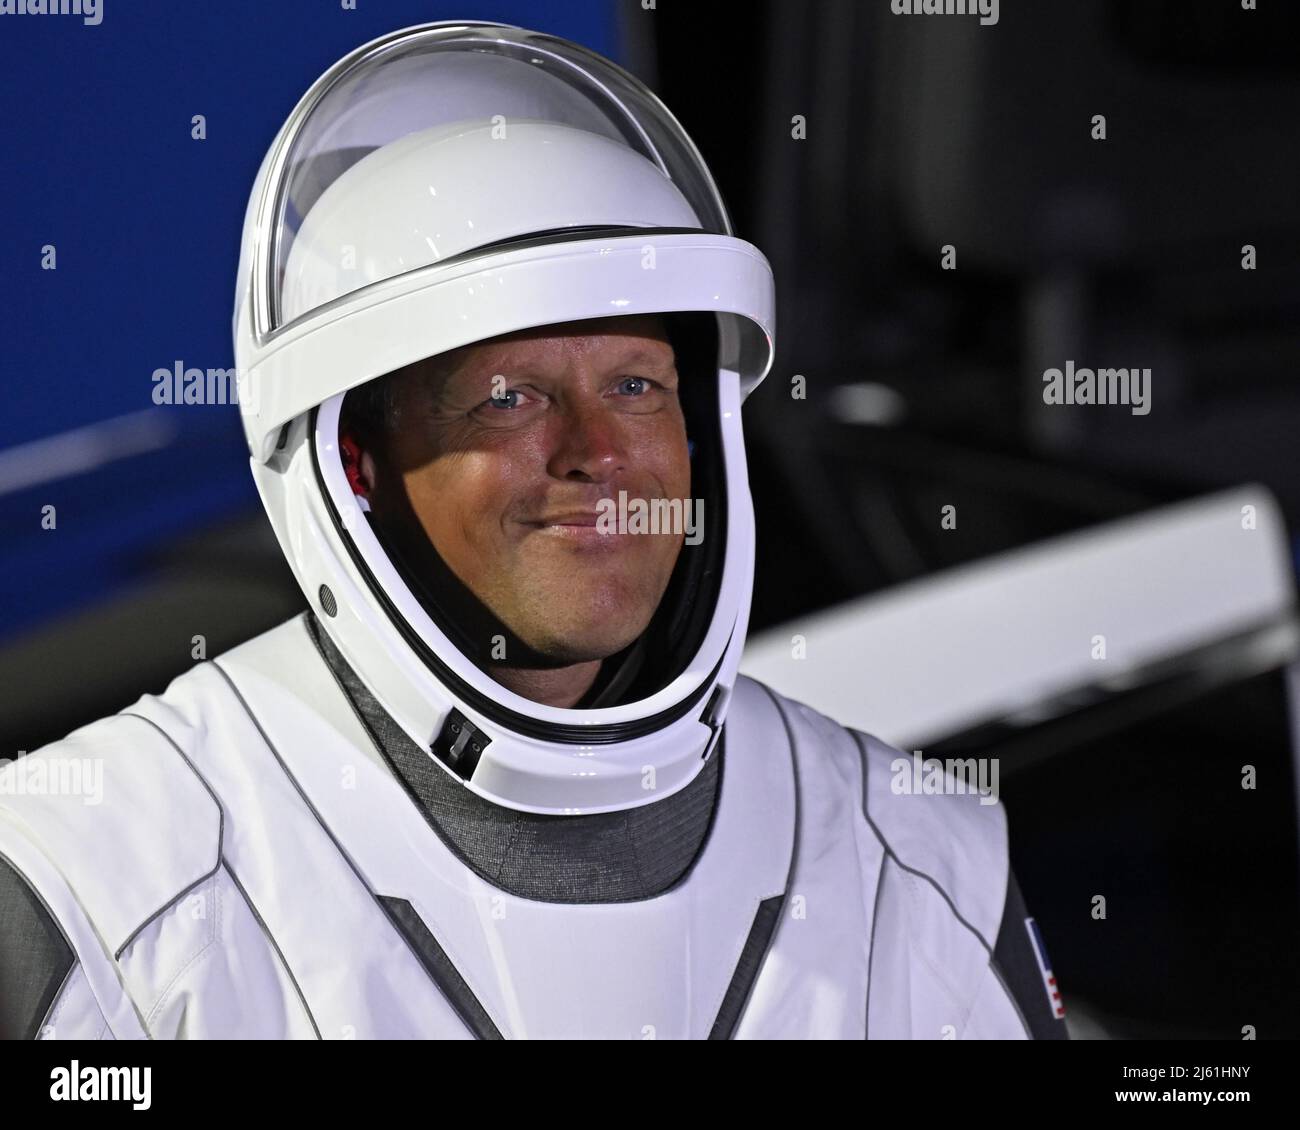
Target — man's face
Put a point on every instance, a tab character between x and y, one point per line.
504	458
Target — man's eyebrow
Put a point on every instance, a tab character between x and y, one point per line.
648	357
635	357
434	372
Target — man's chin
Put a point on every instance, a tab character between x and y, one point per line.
581	640
568	651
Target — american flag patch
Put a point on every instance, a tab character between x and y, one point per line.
1049	979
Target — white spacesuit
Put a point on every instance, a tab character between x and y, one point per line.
345	827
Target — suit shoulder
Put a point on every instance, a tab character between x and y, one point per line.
112	818
929	814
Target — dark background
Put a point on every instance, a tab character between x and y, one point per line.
921	131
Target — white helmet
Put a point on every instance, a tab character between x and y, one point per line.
440	186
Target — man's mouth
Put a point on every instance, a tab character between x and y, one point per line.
572	518
579	529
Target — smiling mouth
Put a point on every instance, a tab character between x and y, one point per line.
580	531
575	519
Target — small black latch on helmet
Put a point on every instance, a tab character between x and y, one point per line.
460	744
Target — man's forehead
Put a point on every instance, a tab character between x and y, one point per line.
591	331
631	337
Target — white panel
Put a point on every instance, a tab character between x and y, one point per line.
932	657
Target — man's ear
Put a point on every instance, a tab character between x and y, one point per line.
358	465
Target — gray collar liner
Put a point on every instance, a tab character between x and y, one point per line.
623	856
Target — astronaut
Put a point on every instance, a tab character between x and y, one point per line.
503	779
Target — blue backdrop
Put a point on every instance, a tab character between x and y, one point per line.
145	224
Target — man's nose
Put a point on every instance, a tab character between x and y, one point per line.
587	443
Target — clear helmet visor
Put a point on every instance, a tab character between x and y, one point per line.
443	140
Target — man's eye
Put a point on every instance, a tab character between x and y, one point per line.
508	399
639	384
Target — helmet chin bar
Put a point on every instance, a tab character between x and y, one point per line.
530	756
